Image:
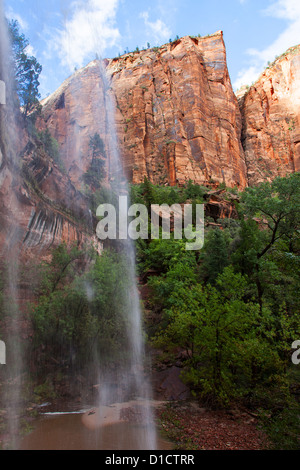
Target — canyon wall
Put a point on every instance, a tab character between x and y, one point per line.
271	120
40	207
177	117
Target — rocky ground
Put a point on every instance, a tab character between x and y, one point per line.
184	422
190	427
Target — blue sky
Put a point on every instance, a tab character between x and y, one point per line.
65	34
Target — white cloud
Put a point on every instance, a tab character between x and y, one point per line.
288	10
247	76
158	30
12	15
90	29
30	50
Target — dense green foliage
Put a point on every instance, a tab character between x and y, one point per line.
147	193
79	317
51	147
233	308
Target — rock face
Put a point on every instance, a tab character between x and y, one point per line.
221	205
40	208
58	211
271	120
73	114
177	117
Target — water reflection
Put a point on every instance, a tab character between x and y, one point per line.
69	432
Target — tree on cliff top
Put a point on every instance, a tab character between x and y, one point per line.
27	69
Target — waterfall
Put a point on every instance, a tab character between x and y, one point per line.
11	372
135	383
132	382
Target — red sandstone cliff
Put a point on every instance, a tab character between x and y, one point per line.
271	120
40	208
177	117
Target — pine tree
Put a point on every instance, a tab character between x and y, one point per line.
27	70
216	255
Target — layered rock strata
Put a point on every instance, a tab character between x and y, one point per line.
270	112
177	117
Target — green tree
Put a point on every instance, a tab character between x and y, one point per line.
57	317
27	70
51	146
161	255
109	305
216	256
96	169
148	193
276	206
229	345
270	220
96	144
79	316
194	191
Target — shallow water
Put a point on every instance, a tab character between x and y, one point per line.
68	432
